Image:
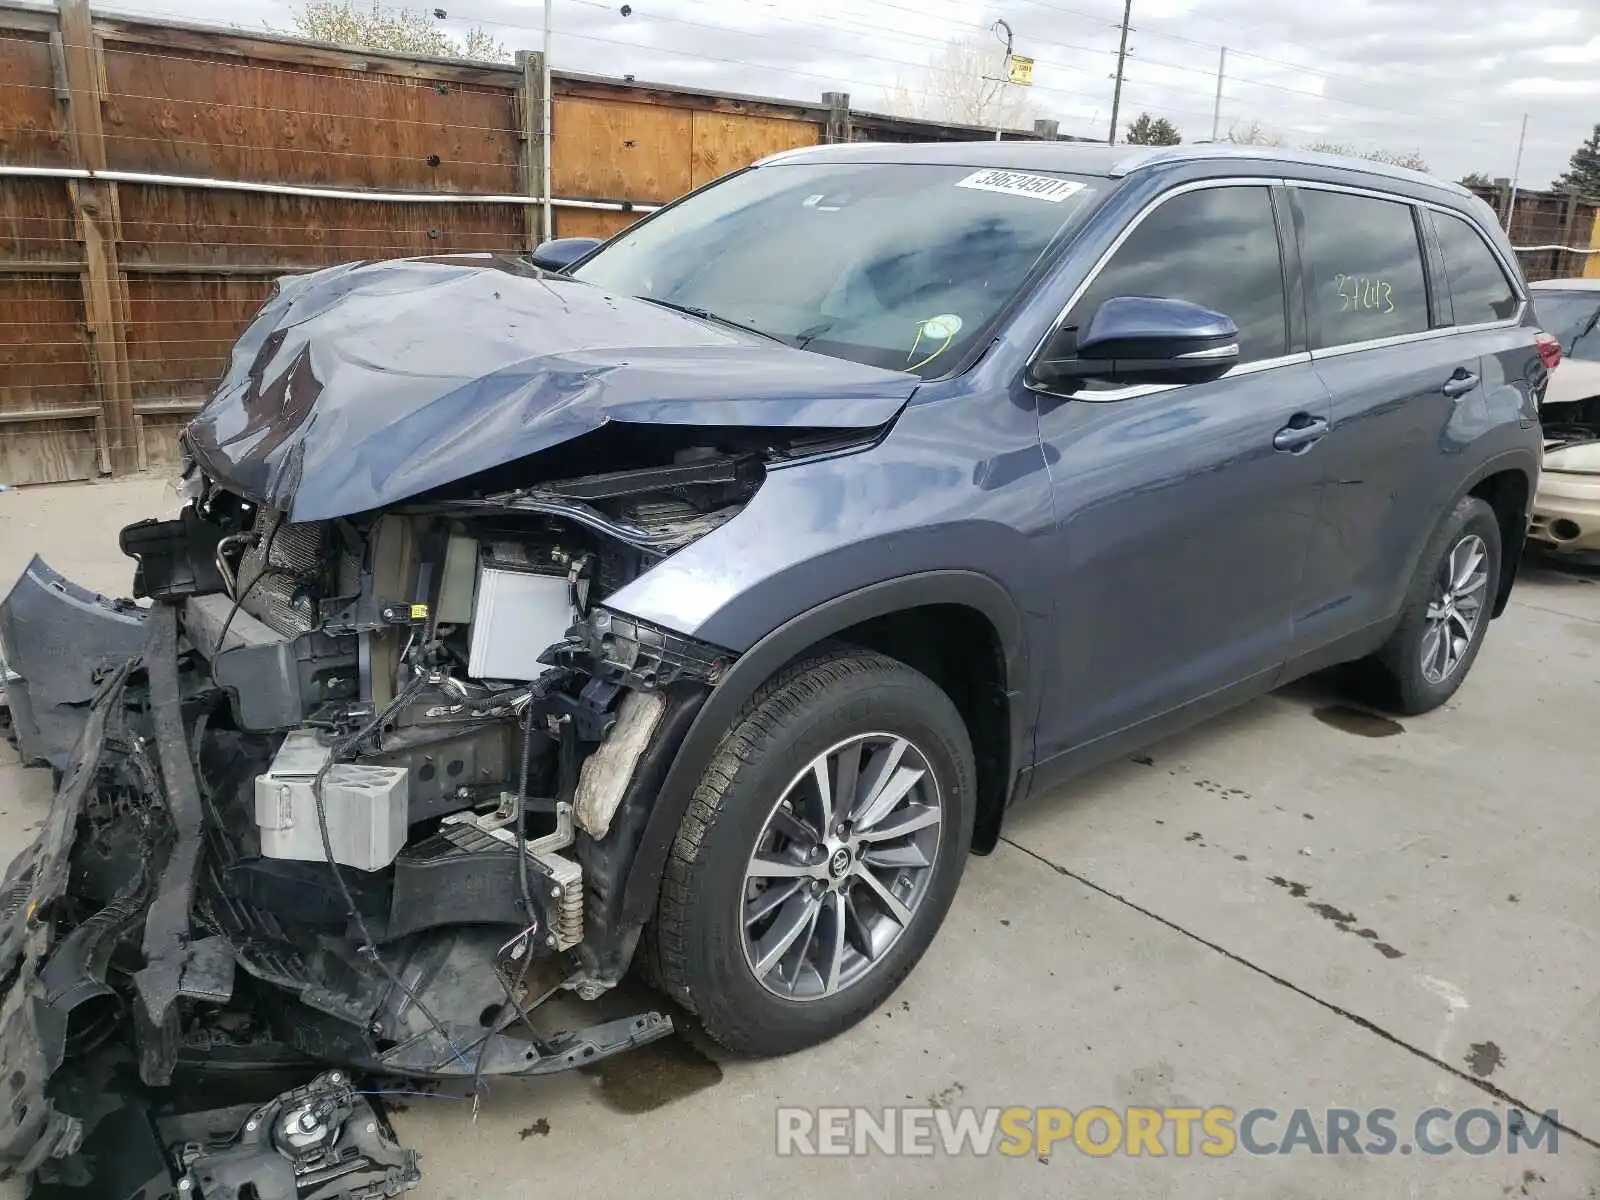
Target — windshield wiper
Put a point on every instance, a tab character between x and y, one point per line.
705	314
806	336
1588	328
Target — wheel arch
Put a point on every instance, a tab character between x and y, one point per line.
971	591
1507	483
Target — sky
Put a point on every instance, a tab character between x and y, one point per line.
1449	79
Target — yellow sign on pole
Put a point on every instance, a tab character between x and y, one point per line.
1019	69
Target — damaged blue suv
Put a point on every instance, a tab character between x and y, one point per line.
698	601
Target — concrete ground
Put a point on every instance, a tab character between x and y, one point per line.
1294	906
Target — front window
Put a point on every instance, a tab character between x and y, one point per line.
895	265
1216	247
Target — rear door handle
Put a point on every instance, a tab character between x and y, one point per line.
1459	384
1300	433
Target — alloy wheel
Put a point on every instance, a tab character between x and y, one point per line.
1455	608
841	866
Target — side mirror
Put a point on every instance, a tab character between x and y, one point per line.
1142	339
560	253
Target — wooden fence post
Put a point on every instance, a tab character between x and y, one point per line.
530	100
839	129
1568	230
99	227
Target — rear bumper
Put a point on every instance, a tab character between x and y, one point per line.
1566	512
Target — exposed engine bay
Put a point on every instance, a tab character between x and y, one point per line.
355	793
1568	501
365	781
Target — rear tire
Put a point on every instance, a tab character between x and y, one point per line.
1451	597
748	866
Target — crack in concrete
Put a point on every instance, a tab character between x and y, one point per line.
1554	612
1357	1019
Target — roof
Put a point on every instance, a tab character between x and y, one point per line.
1566	285
1093	159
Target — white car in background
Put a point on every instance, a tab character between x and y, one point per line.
1566	511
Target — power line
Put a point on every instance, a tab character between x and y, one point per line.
775	67
899	62
1164	108
1254	28
855	54
1386	110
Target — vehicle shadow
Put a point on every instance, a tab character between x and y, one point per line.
1543	566
1347	697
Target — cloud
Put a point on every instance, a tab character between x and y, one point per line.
1567	52
1553	87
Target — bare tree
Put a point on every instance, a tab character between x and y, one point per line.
1394	158
1253	133
962	83
376	26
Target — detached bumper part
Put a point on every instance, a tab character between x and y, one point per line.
323	1141
643	656
318	1142
33	1023
58	641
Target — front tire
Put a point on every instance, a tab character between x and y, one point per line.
1447	611
819	854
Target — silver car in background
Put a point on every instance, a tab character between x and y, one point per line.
1566	514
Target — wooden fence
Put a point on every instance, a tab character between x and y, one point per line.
1554	229
156	177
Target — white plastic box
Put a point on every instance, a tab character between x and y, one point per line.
366	807
519	614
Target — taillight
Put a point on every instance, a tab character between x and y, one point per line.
1549	351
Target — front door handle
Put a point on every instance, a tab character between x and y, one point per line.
1459	384
1302	431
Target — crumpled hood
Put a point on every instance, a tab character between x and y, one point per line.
360	386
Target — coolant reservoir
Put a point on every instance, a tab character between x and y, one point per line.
365	807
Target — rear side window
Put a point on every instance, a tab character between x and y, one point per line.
1479	289
1217	247
1364	273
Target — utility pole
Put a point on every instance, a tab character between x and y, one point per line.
1005	74
1516	173
1122	58
1216	109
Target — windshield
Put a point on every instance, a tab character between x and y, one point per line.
1570	318
895	265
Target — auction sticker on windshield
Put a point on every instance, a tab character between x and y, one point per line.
1020	183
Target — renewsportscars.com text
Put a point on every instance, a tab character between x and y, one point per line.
1214	1132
